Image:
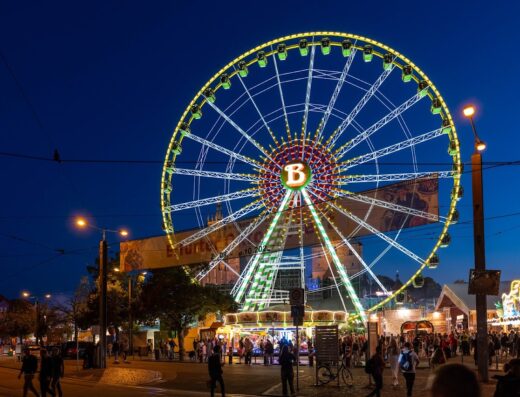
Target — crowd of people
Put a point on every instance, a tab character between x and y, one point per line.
404	353
50	372
401	353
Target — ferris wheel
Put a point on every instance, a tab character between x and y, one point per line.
313	143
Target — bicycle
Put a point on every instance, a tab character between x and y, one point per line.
326	374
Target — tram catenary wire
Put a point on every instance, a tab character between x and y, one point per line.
139	161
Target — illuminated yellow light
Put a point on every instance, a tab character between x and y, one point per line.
123	232
26	294
436	315
117	270
469	111
48	296
81	222
481	146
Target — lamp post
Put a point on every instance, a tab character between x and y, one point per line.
130	317
103	263
27	295
479	244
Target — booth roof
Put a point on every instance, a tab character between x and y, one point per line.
457	293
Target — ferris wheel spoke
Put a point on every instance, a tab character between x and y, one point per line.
373	230
356	254
337	262
378	125
388	205
307	99
287	127
241	131
301	236
231	246
218	175
230	153
362	102
335	94
257	109
253	192
405	176
391	149
255	205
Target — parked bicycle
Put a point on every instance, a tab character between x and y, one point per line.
328	372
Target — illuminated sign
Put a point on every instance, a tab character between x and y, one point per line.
296	175
511	301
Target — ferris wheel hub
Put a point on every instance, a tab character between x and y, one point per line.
296	175
296	164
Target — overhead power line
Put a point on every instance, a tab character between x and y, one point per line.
58	159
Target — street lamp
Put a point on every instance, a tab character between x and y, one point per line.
140	276
478	243
82	223
27	295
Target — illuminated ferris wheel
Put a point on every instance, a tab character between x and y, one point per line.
313	143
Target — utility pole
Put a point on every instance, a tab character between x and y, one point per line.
82	223
130	320
103	301
480	264
479	246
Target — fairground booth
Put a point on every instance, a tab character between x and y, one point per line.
507	315
459	307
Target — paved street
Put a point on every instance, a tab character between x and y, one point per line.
189	379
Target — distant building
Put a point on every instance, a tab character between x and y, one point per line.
320	266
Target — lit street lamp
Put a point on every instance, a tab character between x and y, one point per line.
27	295
103	259
478	243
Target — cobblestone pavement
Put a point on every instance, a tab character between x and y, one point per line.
189	379
361	388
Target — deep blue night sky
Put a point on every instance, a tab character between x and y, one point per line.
111	79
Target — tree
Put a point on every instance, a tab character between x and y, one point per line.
117	296
19	319
171	296
76	310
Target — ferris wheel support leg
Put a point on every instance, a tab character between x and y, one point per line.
264	277
239	294
339	267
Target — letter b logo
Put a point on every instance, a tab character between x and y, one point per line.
295	175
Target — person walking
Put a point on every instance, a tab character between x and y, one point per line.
29	368
215	372
269	351
58	370
376	366
393	357
408	361
115	351
45	373
286	360
248	347
124	347
172	349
